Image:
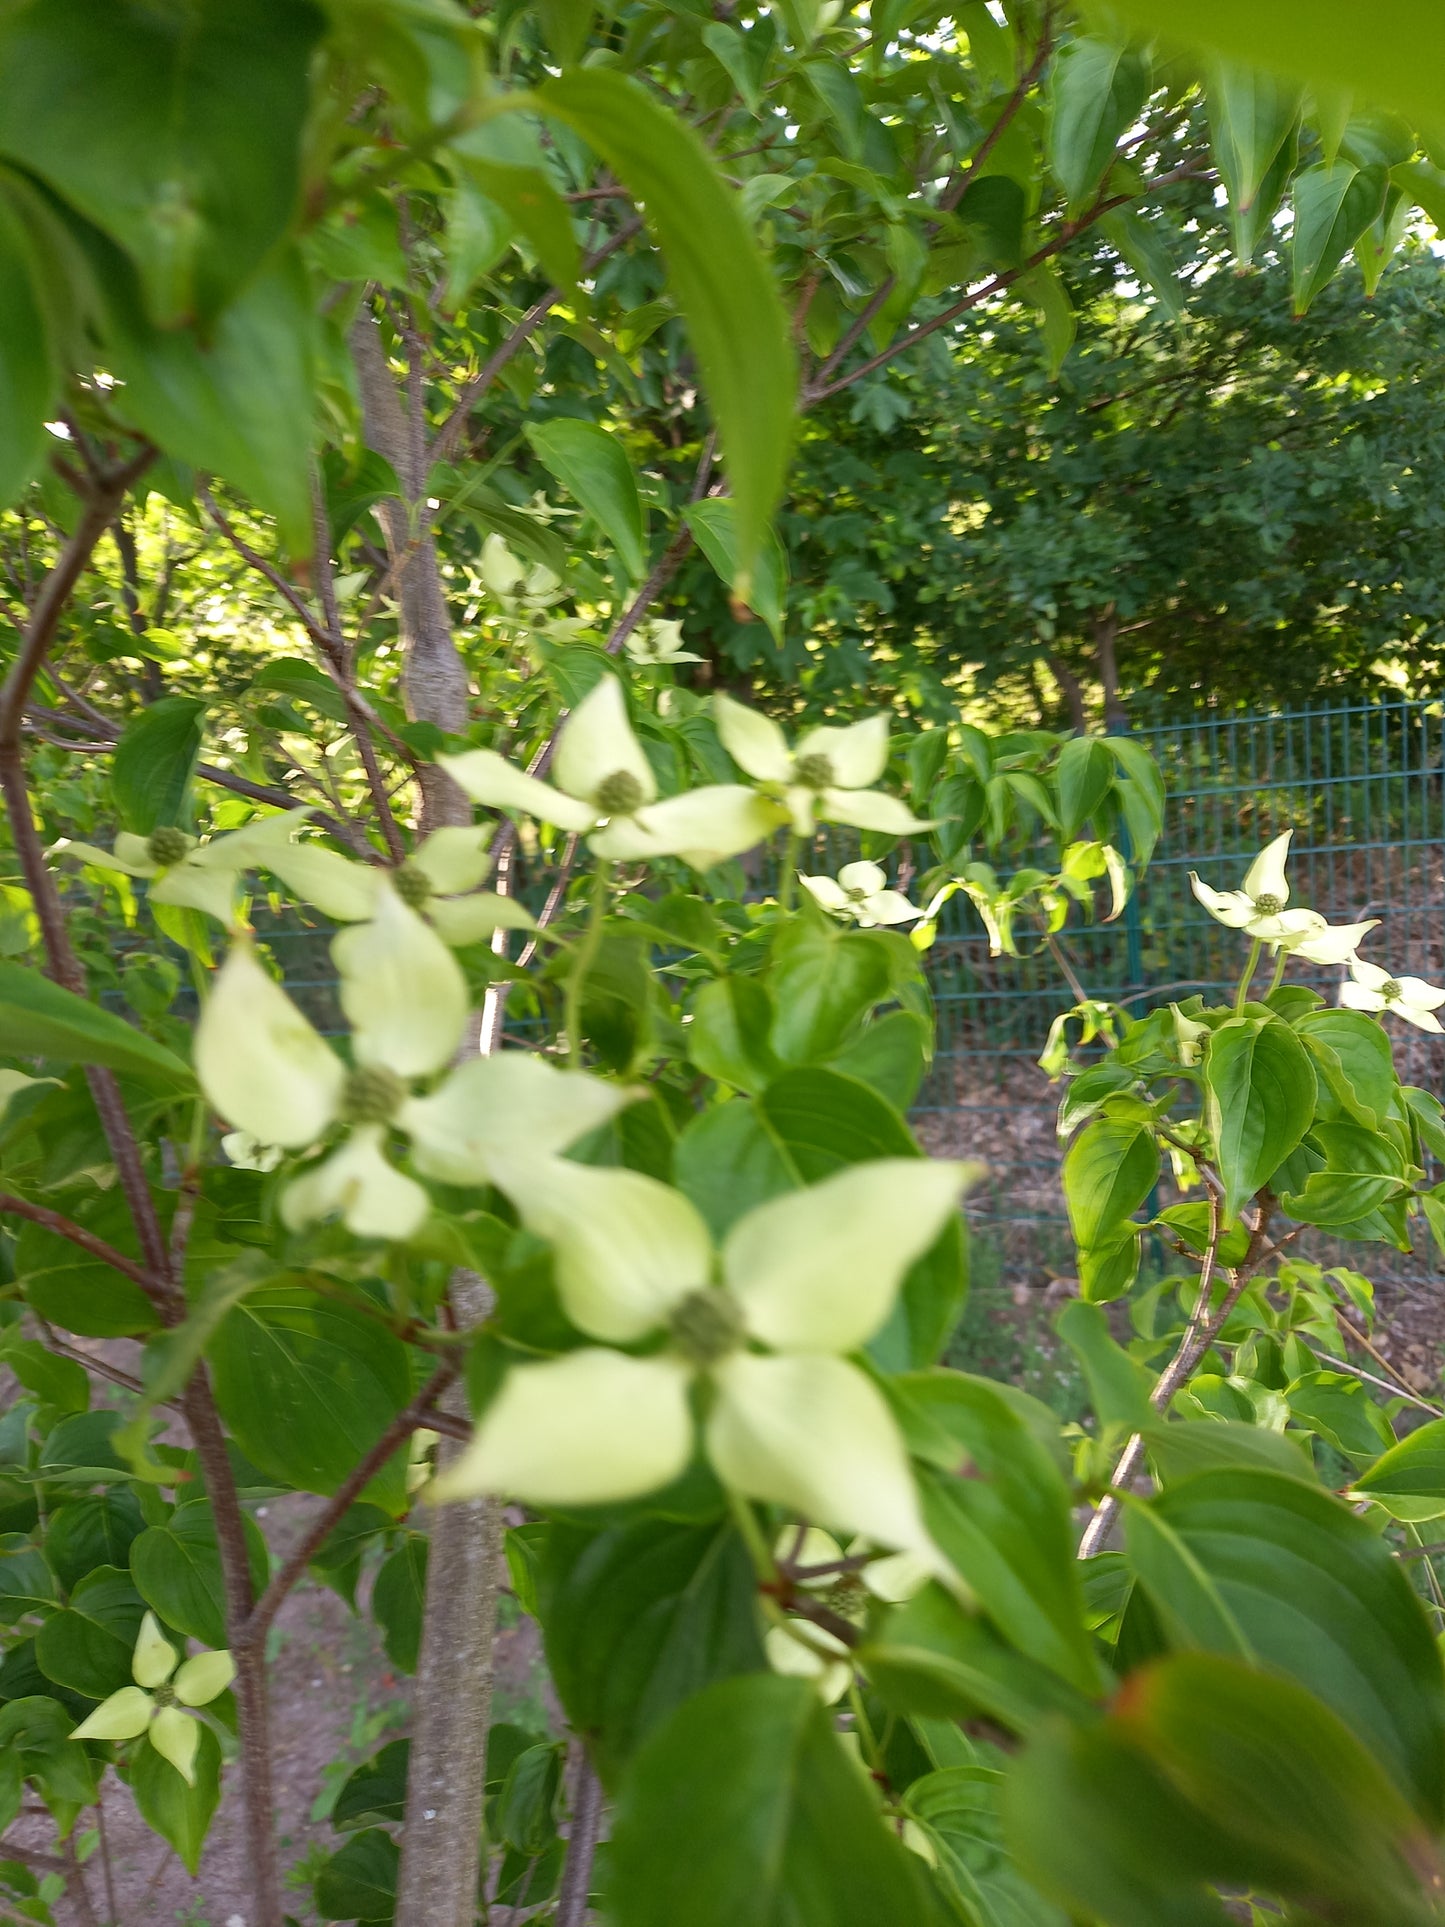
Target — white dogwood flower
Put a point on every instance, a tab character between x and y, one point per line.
659	642
760	1327
828	774
604	784
1327	943
165	1685
860	894
438	880
191	875
1258	908
1371	988
270	1075
512	581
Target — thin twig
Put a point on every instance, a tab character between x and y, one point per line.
1199	1334
253	1628
583	1833
64	1227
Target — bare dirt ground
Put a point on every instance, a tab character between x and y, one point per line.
335	1699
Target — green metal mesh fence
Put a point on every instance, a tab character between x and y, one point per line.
1363	788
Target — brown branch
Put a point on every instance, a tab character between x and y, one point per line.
64	1227
1062	236
1199	1334
584	1830
340	662
254	1627
448	436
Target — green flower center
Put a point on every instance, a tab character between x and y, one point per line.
706	1326
167	846
1268	905
847	1596
855	895
372	1095
162	1695
1390	990
814	771
619	794
413	885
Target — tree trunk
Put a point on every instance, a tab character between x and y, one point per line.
1106	630
434	677
441	1837
1073	693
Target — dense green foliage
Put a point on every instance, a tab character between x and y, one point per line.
370	371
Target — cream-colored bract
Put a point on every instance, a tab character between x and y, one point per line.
154	1707
1371	988
1258	909
659	643
271	1076
860	894
605	784
810	1275
828	774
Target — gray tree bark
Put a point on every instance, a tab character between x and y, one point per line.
441	1837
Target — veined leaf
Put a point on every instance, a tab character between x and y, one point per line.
40	1019
593	466
735	317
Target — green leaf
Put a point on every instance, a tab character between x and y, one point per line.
714	523
177	131
934	1658
1251	116
1260	1093
593	466
1408	1481
534	208
728	1035
1110	1170
177	1571
1096	90
745	1807
1141	243
299	681
38	1729
307	1385
239	404
957	1808
178	1812
359	1881
824	981
1044	287
1318	1596
891	1056
155	760
638	1618
97	1529
1342	1411
26	1582
1209	1774
1119	1385
1328	43
1085	777
398	1600
376	1790
1001	1512
1333	206
40	1019
87	1646
55	1381
526	1806
29	375
1352	1056
1361	1172
736	320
